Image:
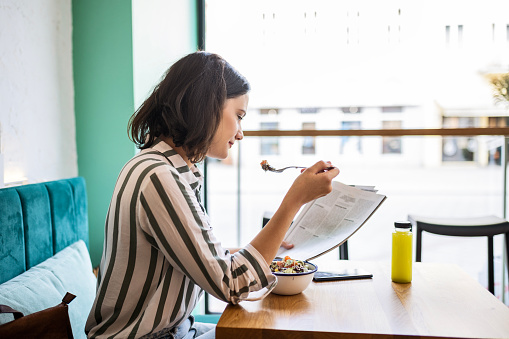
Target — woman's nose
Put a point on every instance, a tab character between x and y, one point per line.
239	135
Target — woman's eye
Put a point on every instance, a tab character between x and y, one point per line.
240	117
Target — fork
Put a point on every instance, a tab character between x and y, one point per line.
266	167
272	169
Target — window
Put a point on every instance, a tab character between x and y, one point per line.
458	148
392	109
350	144
498	121
269	111
358	81
495	144
352	109
391	145
269	145
308	110
308	145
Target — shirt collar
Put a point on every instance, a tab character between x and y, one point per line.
192	175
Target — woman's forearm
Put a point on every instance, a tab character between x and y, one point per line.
314	182
269	239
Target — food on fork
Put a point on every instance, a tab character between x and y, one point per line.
288	265
265	166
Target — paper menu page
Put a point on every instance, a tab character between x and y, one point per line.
327	222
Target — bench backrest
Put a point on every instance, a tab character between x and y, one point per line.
39	220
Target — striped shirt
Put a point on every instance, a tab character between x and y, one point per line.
160	253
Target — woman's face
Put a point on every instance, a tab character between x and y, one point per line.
229	128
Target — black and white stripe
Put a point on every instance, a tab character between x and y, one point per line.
160	253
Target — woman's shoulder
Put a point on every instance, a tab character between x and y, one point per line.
149	158
150	162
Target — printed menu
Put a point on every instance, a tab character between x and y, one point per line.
327	222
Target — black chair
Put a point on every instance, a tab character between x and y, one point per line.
487	226
343	249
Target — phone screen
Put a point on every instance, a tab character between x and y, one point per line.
352	273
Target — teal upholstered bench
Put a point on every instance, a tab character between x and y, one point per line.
207	318
44	249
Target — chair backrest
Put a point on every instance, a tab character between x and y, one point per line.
39	220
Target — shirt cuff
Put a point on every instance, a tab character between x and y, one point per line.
271	278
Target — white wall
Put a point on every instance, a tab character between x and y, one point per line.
162	34
38	137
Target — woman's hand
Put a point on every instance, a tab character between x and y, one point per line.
286	245
314	182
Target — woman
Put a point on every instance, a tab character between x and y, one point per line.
160	253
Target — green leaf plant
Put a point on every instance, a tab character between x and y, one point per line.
500	85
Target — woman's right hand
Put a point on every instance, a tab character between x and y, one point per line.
314	182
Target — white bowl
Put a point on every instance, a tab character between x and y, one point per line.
294	283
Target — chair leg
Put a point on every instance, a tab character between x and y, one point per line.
343	251
506	239
418	245
491	274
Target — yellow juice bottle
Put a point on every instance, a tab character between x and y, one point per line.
402	252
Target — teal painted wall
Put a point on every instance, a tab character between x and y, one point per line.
104	96
104	101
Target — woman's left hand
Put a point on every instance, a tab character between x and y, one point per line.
286	245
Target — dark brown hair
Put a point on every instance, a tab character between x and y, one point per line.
187	104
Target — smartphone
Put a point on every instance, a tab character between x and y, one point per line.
348	273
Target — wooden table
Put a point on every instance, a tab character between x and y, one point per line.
442	301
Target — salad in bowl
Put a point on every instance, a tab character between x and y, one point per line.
293	276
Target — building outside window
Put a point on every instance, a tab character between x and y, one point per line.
308	144
352	110
392	109
459	148
350	144
309	110
269	145
269	111
391	145
339	60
